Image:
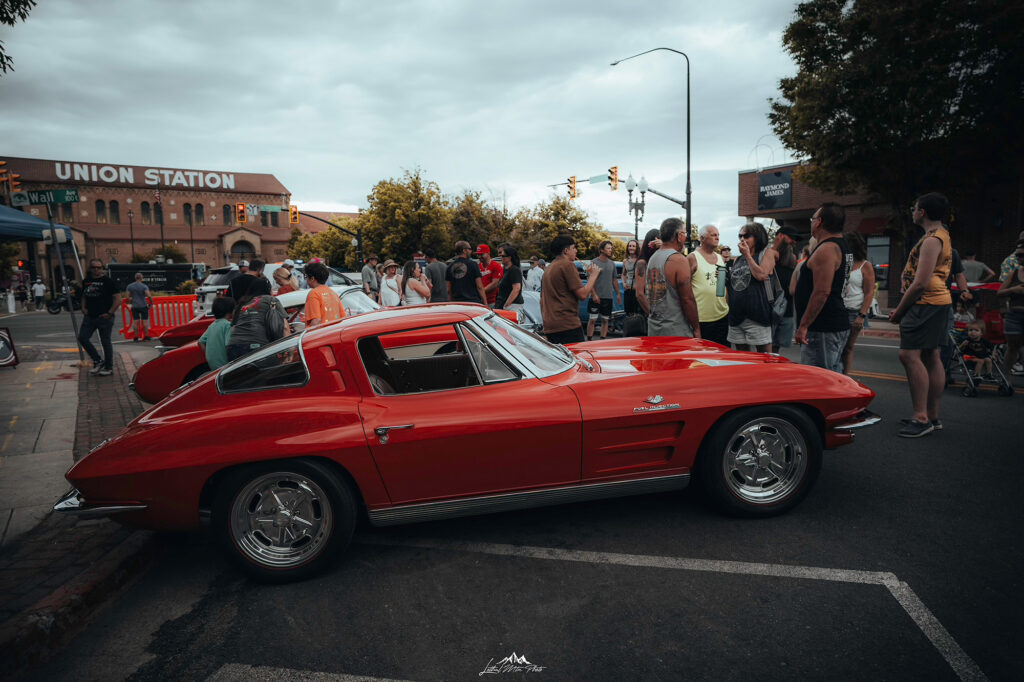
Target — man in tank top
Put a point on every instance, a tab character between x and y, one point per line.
669	290
708	281
824	324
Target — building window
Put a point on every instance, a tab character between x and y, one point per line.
101	212
229	214
188	214
115	213
147	214
111	251
200	220
263	218
67	213
158	213
200	252
273	219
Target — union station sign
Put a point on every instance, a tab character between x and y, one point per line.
126	175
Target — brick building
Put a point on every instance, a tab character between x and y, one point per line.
988	225
120	209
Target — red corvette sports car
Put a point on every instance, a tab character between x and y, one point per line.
417	414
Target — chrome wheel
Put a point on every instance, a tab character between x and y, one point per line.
281	520
765	460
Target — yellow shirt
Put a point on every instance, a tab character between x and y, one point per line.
936	292
710	306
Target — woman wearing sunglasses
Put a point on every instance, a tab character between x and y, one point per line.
750	322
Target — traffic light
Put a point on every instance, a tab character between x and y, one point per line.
3	172
15	185
240	214
21	264
572	187
293	214
613	177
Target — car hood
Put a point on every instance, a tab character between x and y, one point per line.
658	354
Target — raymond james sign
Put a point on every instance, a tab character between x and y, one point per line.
774	190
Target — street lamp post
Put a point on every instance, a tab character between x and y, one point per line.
636	207
131	231
689	207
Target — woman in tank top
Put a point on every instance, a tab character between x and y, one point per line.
414	283
858	295
390	290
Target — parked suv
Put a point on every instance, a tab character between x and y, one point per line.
213	285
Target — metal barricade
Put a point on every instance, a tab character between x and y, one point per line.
165	313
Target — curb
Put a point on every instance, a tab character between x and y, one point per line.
26	637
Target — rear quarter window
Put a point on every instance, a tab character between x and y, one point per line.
277	365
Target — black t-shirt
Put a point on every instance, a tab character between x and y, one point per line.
785	274
833	316
239	286
512	276
98	295
463	274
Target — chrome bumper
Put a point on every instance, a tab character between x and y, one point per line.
72	503
859	421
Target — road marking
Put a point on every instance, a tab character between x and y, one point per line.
879	375
875	345
7	441
236	672
958	660
10	424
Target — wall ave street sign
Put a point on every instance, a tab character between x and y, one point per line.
40	198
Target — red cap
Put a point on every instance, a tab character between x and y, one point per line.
483	248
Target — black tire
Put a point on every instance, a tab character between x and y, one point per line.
53	308
195	373
744	478
247	512
1006	390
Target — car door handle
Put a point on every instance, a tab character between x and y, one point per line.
382	431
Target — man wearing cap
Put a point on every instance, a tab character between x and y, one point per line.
536	274
243	267
298	281
38	292
490	273
371	285
708	284
463	276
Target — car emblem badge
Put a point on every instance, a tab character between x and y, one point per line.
656	403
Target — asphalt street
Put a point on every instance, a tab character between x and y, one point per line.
903	563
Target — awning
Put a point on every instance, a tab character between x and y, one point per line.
15	224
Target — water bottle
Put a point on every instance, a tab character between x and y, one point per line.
720	276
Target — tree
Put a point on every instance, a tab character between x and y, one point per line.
168	251
478	222
405	216
296	234
535	229
10	12
334	246
902	98
9	252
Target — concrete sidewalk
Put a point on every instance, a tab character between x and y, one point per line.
55	569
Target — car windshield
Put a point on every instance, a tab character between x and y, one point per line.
355	302
337	279
547	358
219	278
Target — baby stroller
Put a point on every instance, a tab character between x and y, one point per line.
963	365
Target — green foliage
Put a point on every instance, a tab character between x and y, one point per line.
334	246
187	287
535	229
10	12
8	259
294	238
405	216
903	98
168	251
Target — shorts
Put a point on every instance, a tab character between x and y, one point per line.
853	317
603	310
750	333
924	327
824	349
140	313
567	336
782	333
1013	323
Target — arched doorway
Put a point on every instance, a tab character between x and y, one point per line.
242	250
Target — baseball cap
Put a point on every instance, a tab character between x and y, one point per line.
244	263
288	263
483	248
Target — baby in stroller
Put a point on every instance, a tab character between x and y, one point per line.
977	348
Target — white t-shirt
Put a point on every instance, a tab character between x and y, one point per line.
389	296
533	279
38	289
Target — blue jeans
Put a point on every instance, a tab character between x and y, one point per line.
104	326
825	349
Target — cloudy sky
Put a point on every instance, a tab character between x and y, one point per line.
504	97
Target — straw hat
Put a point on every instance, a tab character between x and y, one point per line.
389	263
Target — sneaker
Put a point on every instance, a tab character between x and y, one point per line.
916	429
96	369
104	372
936	423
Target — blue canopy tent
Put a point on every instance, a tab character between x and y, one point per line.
19	225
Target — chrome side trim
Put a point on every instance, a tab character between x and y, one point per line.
74	504
861	419
491	504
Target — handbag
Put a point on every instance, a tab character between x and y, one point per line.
776	299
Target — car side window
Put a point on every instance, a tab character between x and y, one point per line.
428	359
277	365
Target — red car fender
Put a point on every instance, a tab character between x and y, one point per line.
155	380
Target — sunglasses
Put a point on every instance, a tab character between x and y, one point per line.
744	235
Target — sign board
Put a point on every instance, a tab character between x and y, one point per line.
252	210
50	196
270	209
156	276
774	190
